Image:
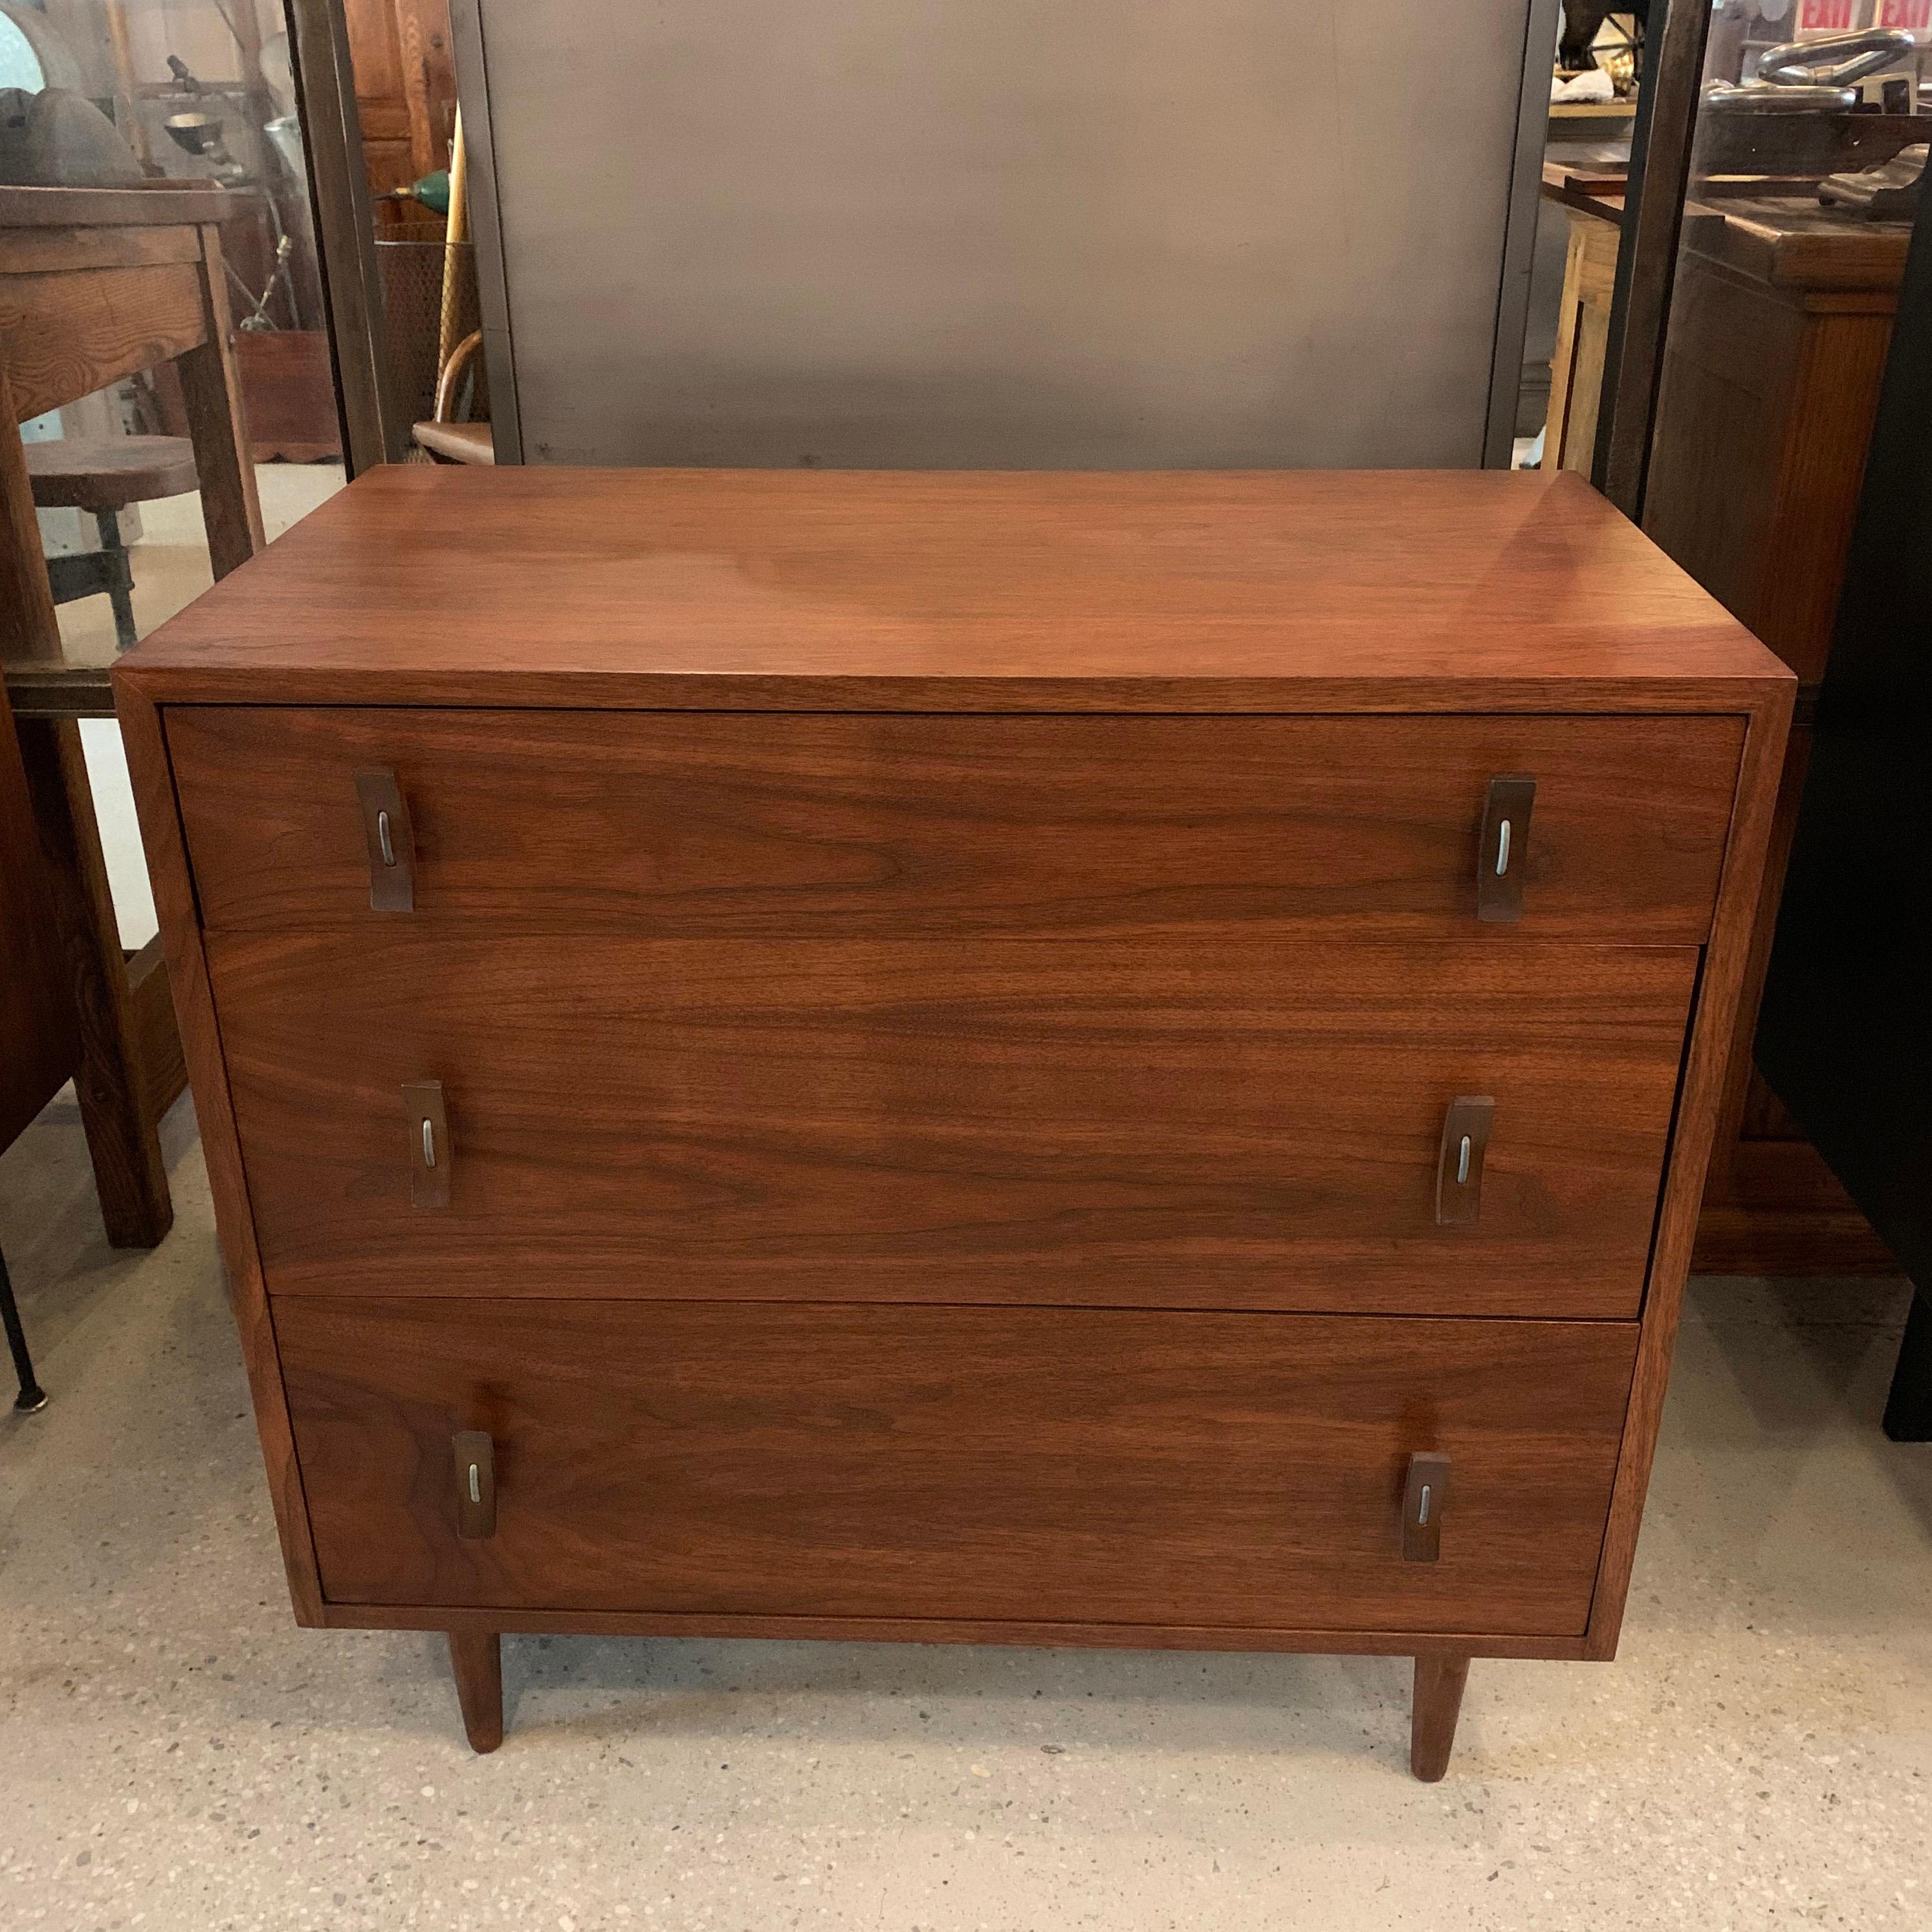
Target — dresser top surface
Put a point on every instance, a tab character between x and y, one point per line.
770	589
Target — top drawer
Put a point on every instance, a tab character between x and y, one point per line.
705	824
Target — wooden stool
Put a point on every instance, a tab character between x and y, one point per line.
103	475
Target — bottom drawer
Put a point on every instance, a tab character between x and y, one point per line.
1032	1465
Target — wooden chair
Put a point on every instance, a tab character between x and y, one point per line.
448	441
102	475
96	283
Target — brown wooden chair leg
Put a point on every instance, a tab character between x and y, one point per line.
110	1083
1437	1700
476	1658
211	390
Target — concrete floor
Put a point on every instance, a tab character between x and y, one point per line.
174	1753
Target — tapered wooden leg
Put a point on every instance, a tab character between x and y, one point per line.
1438	1698
476	1658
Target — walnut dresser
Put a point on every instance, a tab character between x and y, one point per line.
1095	1059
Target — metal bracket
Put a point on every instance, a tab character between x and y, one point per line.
430	1153
1424	1495
1458	1168
475	1484
1503	851
391	842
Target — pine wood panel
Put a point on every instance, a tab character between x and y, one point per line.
1030	1464
59	251
405	87
68	334
812	826
1245	1124
1582	339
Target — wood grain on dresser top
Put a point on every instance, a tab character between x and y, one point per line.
1005	1464
1195	591
809	825
1237	1124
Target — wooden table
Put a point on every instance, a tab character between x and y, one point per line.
96	283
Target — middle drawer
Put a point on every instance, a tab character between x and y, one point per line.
1242	1125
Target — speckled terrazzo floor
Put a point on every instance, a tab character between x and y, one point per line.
174	1753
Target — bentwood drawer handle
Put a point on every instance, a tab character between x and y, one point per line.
475	1484
430	1153
1424	1495
1504	848
391	842
1458	1170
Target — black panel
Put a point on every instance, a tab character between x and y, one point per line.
1845	1037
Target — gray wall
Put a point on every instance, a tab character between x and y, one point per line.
1113	233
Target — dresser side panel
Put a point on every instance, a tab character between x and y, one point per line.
144	734
1700	1100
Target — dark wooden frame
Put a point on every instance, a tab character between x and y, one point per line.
1660	181
373	429
1845	1030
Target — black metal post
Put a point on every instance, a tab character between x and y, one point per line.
120	578
32	1396
1908	1414
1659	182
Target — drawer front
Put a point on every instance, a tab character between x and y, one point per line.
858	825
1238	1125
1028	1465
